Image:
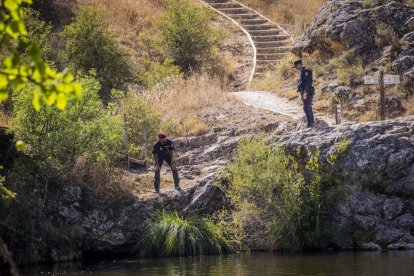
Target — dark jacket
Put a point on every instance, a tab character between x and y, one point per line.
305	84
162	150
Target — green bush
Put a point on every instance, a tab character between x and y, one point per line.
89	45
275	201
57	138
142	124
160	73
188	37
173	235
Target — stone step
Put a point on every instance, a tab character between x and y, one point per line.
240	10
265	32
215	1
266	61
272	43
284	49
241	16
259	27
226	5
270	37
253	21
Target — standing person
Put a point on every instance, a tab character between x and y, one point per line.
306	90
163	150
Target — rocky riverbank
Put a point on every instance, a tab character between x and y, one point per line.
376	172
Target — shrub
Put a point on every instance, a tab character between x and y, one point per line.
142	124
159	73
89	45
275	201
56	137
386	36
173	235
188	37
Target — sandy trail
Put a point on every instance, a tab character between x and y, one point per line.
270	101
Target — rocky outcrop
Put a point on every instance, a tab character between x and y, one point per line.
370	27
115	227
377	172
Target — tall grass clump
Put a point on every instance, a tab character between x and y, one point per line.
278	203
172	235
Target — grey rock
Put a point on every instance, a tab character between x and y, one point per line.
400	246
370	246
302	123
330	88
393	208
350	24
343	92
377	172
406	221
203	194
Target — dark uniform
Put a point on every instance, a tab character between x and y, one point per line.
305	86
164	152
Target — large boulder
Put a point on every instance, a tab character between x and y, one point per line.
377	173
353	24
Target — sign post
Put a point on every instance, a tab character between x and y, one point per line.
382	96
338	114
382	80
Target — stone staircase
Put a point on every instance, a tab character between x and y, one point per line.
270	42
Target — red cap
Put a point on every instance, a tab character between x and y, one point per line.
162	135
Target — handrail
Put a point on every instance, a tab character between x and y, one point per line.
245	32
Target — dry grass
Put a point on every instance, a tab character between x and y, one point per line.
409	106
128	19
185	103
4	119
295	14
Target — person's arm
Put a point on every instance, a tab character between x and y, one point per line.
308	81
172	152
154	154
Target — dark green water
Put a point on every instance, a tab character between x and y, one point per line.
345	263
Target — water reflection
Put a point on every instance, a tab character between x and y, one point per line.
345	263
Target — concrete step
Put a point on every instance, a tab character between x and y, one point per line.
258	27
226	5
270	37
247	15
240	10
272	43
283	49
265	32
253	21
215	1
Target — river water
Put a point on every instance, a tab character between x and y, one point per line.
345	263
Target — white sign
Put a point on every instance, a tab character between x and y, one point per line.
371	80
391	79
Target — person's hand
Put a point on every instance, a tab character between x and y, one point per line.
305	96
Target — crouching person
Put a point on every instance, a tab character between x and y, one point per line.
163	150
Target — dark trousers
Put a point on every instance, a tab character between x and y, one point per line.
307	107
157	178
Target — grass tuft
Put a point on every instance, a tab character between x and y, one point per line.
172	235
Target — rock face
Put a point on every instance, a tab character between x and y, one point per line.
105	227
377	172
355	24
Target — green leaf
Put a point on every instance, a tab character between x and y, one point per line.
20	145
11	5
3	81
61	102
36	99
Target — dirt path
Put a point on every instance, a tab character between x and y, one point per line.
270	101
